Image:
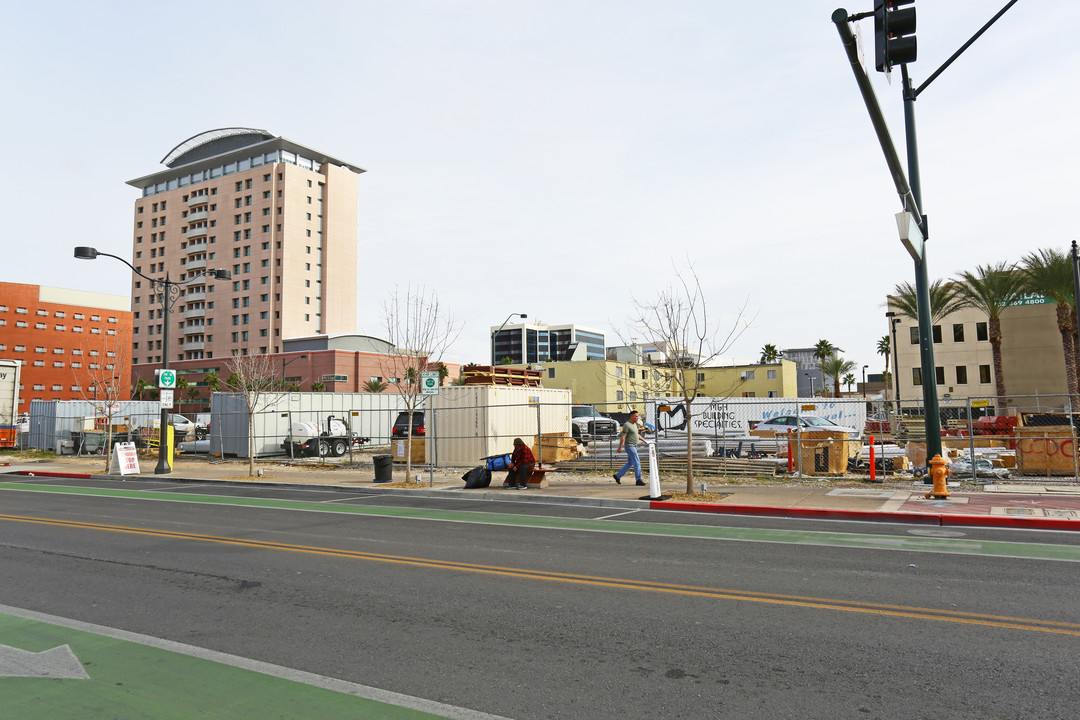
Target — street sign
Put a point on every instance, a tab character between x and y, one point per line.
166	399
429	382
166	378
910	234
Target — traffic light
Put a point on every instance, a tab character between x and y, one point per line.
894	33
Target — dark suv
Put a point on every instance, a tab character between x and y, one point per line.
401	425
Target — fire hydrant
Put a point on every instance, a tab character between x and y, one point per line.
938	471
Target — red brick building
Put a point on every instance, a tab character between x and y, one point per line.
341	363
74	345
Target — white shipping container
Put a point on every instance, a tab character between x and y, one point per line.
466	423
9	391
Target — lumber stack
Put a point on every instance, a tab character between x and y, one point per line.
500	375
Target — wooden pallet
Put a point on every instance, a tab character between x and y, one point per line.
501	375
702	466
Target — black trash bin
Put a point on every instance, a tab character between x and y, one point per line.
384	468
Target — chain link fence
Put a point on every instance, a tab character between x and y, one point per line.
1015	439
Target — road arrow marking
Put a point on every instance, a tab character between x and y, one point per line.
59	662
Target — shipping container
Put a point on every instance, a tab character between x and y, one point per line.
467	423
9	401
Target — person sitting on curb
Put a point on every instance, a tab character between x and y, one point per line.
629	437
521	464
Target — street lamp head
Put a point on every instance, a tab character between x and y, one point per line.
86	253
522	315
222	274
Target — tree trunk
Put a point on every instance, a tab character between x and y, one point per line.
689	449
1066	328
251	443
999	376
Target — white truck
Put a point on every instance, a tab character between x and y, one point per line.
587	424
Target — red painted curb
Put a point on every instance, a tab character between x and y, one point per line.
81	476
1029	523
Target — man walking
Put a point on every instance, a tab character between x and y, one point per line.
628	437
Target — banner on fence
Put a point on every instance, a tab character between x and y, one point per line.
734	416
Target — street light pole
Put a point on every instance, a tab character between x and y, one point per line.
494	360
167	291
864	383
285	362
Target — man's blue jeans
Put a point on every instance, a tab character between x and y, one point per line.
632	461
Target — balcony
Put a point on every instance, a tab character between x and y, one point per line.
197	216
195	246
196	200
195	263
194	330
194	232
194	312
189	346
195	294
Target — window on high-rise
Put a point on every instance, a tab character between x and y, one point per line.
958	332
981	333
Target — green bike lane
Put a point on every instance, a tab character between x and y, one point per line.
55	668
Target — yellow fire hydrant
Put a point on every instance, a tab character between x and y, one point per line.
938	471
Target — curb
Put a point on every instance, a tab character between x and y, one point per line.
940	520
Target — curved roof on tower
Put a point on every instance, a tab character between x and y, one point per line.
216	148
213	142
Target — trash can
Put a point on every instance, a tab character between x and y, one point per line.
384	468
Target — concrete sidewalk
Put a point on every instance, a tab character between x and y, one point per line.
1022	506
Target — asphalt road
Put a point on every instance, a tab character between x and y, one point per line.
563	611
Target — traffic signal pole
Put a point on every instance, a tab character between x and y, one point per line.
931	411
895	45
910	198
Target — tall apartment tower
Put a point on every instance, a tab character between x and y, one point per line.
281	216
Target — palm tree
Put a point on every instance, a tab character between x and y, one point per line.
944	300
140	387
823	350
769	354
991	289
884	347
849	380
318	386
181	385
212	381
835	366
375	386
1049	273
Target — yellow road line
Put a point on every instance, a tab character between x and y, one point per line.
955	616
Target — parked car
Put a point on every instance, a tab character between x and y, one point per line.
783	423
984	468
401	425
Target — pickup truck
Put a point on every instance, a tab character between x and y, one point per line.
586	424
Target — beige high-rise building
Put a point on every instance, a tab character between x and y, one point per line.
280	216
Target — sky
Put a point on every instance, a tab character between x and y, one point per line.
563	159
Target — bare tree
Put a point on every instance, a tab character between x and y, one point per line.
420	330
252	375
98	380
678	320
